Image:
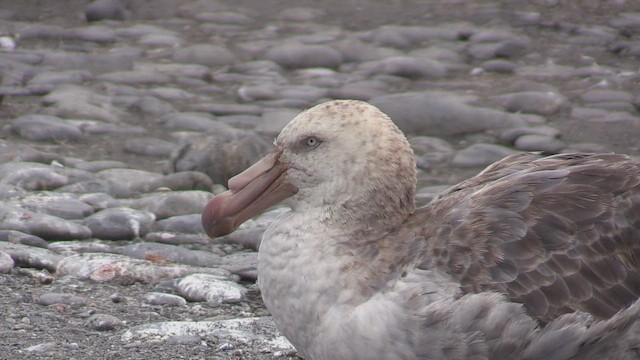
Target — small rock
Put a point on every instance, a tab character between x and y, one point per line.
6	262
103	322
220	155
45	128
31	257
543	103
104	10
533	142
51	298
171	253
48	227
156	298
188	224
204	54
148	147
210	288
304	56
478	155
168	204
119	223
409	67
18	237
433	113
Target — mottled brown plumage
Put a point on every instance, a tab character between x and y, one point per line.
558	234
534	258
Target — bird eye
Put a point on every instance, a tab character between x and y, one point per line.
312	142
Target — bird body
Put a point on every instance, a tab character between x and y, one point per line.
534	258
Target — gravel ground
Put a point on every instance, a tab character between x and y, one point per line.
501	76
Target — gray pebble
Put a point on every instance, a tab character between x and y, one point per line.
227	109
627	23
99	201
60	77
119	223
510	136
156	298
134	77
189	224
62	205
31	257
431	151
409	67
93	33
160	40
438	114
213	289
204	54
75	102
303	56
48	227
533	142
148	147
274	120
51	298
100	128
543	103
244	264
99	165
112	267
171	253
499	66
104	10
478	155
177	70
6	262
168	204
189	121
259	331
18	237
220	155
45	128
103	322
74	247
172	238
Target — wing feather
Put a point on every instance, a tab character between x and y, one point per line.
559	233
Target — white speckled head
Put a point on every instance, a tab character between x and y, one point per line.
348	158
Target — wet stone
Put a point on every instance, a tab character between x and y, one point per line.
511	135
18	237
51	298
50	228
304	56
60	77
62	205
156	298
171	253
168	204
479	155
135	78
120	268
533	142
210	288
437	114
188	224
409	67
75	102
6	262
45	128
149	147
543	103
119	223
204	54
31	257
104	10
220	155
173	238
103	322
